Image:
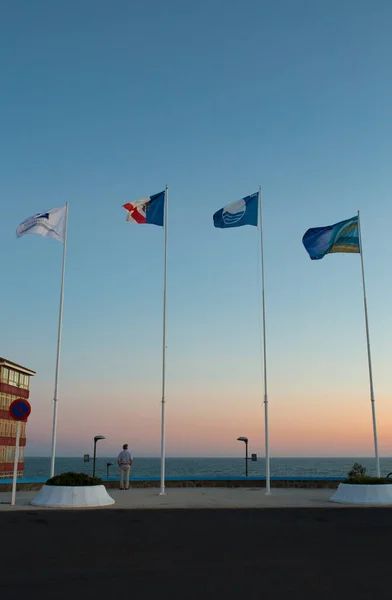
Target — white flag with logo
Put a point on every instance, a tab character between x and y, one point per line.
48	224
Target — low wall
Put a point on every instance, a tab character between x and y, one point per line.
231	482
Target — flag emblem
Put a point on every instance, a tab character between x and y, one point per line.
48	224
149	210
233	213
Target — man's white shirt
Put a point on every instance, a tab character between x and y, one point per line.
125	457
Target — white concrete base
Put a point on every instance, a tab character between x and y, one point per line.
57	496
348	493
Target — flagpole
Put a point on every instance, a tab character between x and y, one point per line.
372	400
162	492
55	398
267	456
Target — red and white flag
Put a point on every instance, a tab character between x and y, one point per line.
137	210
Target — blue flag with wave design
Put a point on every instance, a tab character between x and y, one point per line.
239	213
341	237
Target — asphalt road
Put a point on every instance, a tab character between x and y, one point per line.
184	554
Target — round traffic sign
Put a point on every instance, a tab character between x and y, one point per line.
20	409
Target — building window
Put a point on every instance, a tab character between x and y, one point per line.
4	375
10	454
24	381
5	401
14	378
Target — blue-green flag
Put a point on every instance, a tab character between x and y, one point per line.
341	237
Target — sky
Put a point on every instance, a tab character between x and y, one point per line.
103	103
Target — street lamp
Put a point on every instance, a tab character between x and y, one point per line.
96	439
245	439
108	465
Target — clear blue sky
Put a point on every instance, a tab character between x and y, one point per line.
103	103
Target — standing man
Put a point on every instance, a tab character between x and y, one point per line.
124	461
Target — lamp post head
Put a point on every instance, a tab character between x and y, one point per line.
99	437
109	464
242	439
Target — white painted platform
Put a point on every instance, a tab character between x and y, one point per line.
363	494
53	496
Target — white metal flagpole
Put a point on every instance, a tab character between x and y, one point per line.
16	460
372	400
163	457
267	456
55	398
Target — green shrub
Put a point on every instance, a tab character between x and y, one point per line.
357	470
357	476
367	480
74	479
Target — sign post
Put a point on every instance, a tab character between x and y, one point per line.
16	460
20	409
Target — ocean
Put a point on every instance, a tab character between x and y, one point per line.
209	467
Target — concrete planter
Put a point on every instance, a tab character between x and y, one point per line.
58	496
348	493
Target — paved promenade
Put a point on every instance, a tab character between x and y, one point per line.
243	554
149	498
